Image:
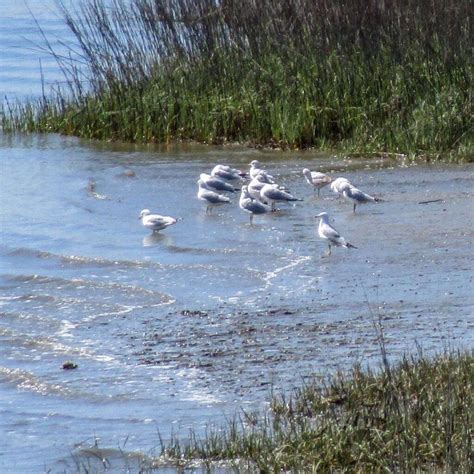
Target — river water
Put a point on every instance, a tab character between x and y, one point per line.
177	330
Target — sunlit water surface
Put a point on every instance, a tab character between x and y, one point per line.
176	330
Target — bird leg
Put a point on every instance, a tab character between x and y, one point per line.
354	209
251	219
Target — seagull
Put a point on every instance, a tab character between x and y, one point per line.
271	193
339	184
255	169
216	184
257	183
329	233
251	205
264	177
316	179
211	197
227	173
351	193
254	188
155	222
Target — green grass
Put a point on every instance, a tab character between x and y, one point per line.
416	416
355	76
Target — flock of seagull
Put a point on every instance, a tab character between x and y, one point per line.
261	195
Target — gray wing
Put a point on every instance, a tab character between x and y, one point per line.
278	195
254	206
330	233
227	174
156	220
319	178
358	195
159	222
213	197
220	185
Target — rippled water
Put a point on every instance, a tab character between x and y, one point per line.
172	331
175	330
26	67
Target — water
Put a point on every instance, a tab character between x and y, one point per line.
26	67
173	331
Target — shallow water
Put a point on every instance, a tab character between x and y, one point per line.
175	330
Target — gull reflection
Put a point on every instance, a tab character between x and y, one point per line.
156	238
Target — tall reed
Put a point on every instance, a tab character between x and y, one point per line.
361	75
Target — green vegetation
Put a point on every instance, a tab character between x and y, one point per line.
413	417
359	75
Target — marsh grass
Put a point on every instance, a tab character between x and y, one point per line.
416	416
361	75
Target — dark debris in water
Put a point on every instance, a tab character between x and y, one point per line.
190	312
430	201
69	365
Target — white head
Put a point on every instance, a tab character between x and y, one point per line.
306	172
145	212
204	176
323	216
254	163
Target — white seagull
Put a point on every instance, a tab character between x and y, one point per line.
254	188
271	193
227	173
329	233
256	168
155	222
338	185
248	204
211	197
351	193
257	183
216	183
316	179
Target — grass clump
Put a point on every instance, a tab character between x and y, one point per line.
360	75
415	416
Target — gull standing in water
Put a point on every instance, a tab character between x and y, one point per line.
227	173
211	197
351	193
217	184
271	193
316	179
155	222
248	204
329	233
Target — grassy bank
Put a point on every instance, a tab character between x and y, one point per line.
416	416
359	76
